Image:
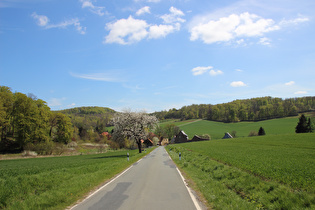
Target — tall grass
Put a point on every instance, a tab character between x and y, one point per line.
57	182
270	172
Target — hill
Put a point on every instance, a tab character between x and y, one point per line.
254	109
89	121
217	129
89	110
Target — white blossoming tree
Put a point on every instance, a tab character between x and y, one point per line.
134	125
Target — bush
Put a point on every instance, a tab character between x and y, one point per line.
233	133
205	136
253	133
45	148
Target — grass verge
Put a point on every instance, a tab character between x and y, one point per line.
57	182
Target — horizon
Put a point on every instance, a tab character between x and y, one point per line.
156	55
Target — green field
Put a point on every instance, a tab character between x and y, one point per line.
217	129
57	182
267	172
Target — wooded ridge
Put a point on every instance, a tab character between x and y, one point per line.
254	109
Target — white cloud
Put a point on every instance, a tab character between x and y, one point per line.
240	42
234	26
158	31
75	22
143	10
106	77
300	92
264	41
215	72
56	101
150	1
203	69
43	20
131	30
94	9
290	83
239	70
238	84
126	31
174	16
253	25
293	21
200	70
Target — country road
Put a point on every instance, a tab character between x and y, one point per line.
152	183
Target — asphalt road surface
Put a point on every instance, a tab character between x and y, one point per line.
150	184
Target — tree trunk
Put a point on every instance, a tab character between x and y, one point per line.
139	146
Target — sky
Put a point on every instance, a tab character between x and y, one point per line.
155	55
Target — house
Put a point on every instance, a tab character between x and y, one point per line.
227	136
198	138
164	141
147	142
181	137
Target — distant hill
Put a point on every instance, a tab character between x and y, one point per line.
254	109
88	110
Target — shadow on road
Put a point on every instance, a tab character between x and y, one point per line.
113	199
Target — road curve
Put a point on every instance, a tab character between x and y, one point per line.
152	183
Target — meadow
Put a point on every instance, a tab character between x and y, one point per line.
217	129
57	182
265	172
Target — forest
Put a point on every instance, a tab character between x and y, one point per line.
254	109
26	120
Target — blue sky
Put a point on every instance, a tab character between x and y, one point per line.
155	55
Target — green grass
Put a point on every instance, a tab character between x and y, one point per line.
269	172
57	182
217	129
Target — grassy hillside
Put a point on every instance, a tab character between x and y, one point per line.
265	172
217	129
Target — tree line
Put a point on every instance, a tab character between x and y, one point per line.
24	119
89	122
254	109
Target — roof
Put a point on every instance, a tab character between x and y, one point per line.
227	136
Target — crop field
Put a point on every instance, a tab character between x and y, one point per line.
267	172
217	129
57	182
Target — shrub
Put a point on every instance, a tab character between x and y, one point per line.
233	133
253	133
205	136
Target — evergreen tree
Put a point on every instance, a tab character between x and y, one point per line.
302	125
309	126
261	132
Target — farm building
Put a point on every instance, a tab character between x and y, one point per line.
227	136
181	137
147	143
198	138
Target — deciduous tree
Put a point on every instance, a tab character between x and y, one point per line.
134	125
